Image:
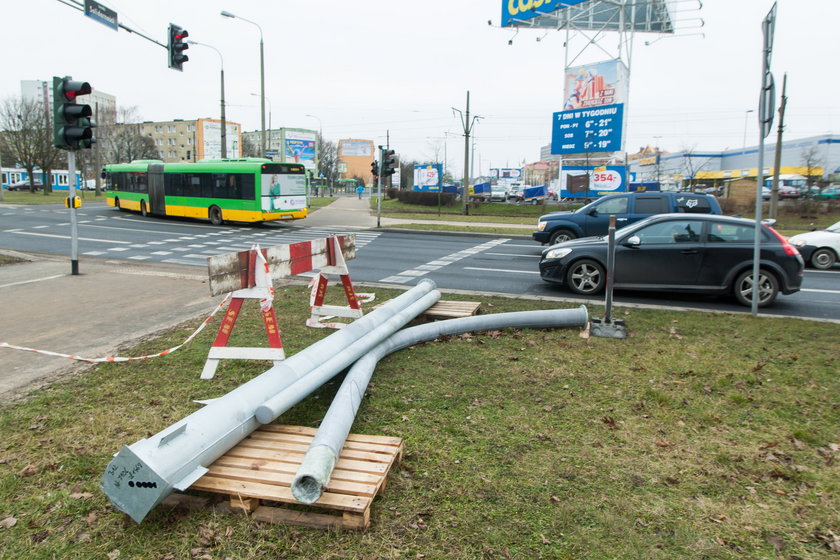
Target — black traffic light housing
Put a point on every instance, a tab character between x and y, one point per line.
176	47
72	127
389	162
374	168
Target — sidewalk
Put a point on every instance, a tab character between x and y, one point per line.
351	211
107	306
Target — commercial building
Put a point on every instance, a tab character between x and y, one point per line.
354	159
816	158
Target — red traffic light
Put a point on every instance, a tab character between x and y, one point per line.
72	89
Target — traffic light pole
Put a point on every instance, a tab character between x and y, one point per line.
379	188
74	227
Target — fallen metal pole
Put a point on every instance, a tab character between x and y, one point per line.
140	476
318	463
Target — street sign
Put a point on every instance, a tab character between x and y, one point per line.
102	14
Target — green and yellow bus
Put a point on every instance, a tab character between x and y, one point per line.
237	190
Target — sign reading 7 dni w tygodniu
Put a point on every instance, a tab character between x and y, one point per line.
587	130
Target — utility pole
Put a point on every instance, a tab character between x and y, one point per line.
468	124
774	193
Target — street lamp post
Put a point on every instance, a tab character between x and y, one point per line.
270	110
262	74
224	123
746	116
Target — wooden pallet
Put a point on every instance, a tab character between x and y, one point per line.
452	309
261	467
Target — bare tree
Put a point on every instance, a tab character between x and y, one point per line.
811	161
692	167
28	138
249	147
328	160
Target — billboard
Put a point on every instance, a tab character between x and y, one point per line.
588	181
580	131
516	11
427	177
210	139
505	173
351	148
300	147
599	83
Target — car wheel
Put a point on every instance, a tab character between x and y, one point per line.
823	259
143	208
560	236
768	288
586	277
215	215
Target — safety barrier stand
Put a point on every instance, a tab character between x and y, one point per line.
336	264
255	278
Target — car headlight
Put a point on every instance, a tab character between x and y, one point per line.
540	226
799	243
557	253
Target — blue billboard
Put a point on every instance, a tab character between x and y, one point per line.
595	129
519	11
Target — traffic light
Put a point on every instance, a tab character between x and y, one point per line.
72	127
176	47
389	162
374	168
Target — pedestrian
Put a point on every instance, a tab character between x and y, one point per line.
360	189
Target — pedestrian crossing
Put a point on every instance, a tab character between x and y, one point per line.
194	249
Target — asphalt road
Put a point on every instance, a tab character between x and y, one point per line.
504	265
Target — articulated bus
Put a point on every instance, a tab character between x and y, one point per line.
238	190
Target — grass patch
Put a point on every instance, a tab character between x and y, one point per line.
461	229
55	197
502	212
701	436
320	201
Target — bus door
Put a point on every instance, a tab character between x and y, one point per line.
157	201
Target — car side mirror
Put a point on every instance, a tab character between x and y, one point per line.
632	241
593	212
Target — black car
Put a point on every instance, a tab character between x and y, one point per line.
24	185
696	253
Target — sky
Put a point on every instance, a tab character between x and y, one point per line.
392	70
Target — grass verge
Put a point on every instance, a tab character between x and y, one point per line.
701	436
55	197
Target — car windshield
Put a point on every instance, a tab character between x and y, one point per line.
834	229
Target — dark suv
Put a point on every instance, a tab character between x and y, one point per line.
594	218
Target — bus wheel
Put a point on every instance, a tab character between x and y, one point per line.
143	208
117	204
215	215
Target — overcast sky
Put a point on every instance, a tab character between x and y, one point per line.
369	66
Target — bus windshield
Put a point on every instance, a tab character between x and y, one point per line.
283	187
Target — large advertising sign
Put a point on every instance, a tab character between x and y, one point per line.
588	181
427	177
356	148
516	11
300	148
599	83
583	131
210	139
505	173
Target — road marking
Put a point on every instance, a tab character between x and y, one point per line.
68	237
502	270
31	281
816	291
421	270
513	255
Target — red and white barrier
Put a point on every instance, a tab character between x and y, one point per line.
256	279
320	313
